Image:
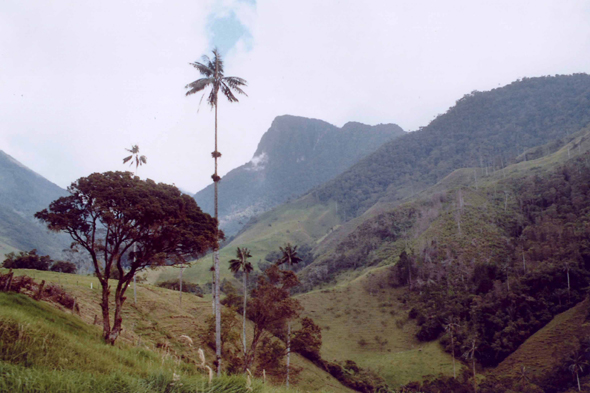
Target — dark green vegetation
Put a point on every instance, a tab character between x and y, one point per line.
22	193
293	156
109	215
480	219
484	129
31	260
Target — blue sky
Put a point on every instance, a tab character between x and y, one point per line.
82	81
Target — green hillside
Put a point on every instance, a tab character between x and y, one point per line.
293	156
23	193
45	349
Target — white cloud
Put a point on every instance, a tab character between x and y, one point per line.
81	81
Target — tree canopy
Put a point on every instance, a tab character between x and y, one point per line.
107	214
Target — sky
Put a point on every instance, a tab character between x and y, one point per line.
81	81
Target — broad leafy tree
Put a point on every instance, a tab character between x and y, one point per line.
108	214
271	306
240	263
214	78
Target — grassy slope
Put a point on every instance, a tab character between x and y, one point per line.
355	311
348	312
549	346
157	318
301	222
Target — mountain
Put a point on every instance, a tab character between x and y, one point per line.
293	156
22	193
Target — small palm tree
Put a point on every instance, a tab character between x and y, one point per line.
213	76
289	257
576	362
135	158
235	265
138	160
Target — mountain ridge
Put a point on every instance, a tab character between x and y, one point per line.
293	156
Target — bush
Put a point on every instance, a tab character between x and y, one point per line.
27	260
64	267
187	287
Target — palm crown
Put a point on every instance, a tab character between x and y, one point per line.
135	158
289	256
212	70
241	262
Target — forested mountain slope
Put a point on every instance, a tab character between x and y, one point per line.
483	129
293	156
23	193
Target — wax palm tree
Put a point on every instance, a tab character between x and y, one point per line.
213	77
138	160
135	158
289	257
235	265
576	362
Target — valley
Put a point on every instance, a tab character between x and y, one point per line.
452	257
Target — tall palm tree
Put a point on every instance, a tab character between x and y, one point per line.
235	265
213	77
138	160
289	257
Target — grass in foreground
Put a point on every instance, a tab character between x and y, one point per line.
43	349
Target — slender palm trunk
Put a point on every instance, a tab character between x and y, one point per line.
453	349
288	350
578	378
216	258
134	285
180	279
244	319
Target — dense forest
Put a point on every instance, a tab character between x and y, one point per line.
484	129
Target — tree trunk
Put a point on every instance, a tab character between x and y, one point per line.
106	319
474	378
578	378
180	301
288	350
134	285
216	251
117	324
244	319
453	349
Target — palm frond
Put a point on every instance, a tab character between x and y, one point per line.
219	61
142	160
203	69
228	93
198	85
134	149
127	159
235	265
212	100
234	81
